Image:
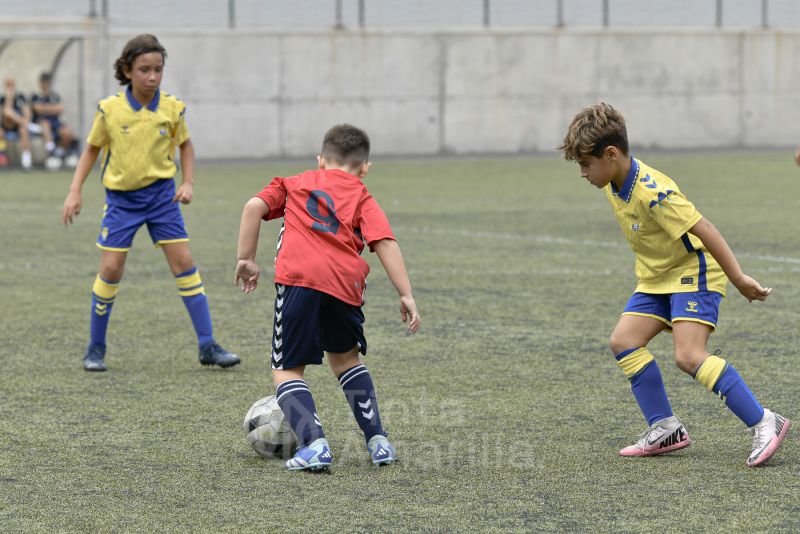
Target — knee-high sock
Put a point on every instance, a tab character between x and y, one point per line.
357	385
299	409
647	385
194	298
721	378
103	294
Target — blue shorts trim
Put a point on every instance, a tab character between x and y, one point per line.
309	322
126	211
699	306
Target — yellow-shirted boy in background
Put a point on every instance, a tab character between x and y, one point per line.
138	130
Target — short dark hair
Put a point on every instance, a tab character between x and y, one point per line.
141	44
346	144
46	76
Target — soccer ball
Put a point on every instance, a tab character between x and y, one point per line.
52	163
71	161
267	431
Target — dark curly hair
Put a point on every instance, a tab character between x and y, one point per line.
141	44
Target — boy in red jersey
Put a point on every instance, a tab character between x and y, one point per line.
320	279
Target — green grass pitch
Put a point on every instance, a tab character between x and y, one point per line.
507	409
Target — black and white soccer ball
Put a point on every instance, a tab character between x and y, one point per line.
267	431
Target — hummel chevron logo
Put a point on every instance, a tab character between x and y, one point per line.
278	330
278	343
277	356
278	316
365	405
673	439
280	289
661	198
646	179
279	302
368	415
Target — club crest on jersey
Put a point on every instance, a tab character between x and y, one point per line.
125	129
635	223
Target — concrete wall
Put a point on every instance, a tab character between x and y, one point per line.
273	94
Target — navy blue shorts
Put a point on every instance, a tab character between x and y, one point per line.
309	322
699	306
126	211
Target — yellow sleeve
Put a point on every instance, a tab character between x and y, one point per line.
181	130
673	212
99	134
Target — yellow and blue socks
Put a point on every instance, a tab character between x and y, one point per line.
647	385
194	298
721	378
299	409
357	385
103	294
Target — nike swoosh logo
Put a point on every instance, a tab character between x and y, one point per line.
759	451
659	438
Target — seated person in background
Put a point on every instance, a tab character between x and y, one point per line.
59	138
15	117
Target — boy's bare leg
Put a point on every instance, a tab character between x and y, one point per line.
342	361
633	331
279	376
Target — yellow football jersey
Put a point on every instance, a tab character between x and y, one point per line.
138	141
655	218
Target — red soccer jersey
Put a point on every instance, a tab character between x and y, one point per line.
328	216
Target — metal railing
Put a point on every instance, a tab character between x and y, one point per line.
362	14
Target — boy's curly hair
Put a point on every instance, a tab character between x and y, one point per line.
141	44
593	130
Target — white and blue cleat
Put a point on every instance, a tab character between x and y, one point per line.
381	451
315	457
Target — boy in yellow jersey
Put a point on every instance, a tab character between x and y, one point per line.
138	129
683	265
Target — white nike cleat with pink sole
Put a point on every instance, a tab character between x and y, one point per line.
663	436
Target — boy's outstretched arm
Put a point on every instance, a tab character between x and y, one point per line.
73	202
392	259
719	248
246	268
